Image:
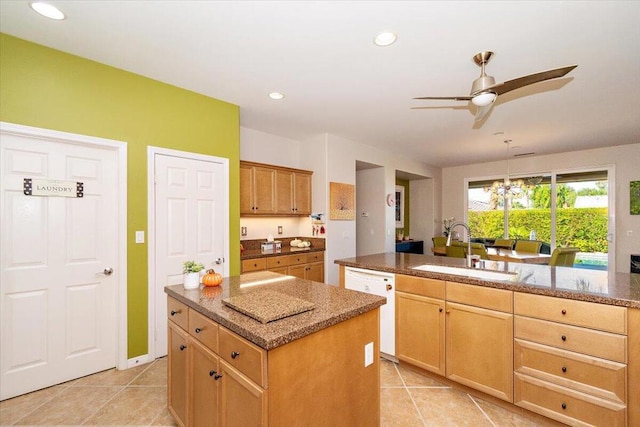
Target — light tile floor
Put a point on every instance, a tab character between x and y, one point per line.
138	396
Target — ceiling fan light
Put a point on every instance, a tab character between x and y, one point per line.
484	99
385	39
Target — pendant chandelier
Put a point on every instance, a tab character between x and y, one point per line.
507	188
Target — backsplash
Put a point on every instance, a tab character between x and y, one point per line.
254	244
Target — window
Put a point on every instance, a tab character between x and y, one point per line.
559	209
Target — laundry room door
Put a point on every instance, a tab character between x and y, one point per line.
60	262
191	207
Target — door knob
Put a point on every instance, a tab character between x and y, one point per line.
107	271
218	261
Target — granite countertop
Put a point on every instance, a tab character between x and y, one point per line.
331	305
619	289
288	250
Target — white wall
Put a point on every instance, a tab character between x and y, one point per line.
370	213
625	158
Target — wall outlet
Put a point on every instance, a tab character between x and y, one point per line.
279	229
368	354
243	231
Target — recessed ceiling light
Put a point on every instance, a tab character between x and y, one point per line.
385	39
276	95
48	10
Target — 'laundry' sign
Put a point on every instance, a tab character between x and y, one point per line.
52	187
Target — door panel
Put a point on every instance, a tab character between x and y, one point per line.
58	314
190	224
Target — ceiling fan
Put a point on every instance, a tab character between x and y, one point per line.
485	90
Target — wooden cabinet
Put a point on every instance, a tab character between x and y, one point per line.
306	265
257	190
420	322
178	361
479	338
203	390
293	192
236	383
274	191
571	360
468	337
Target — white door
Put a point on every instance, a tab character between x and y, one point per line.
191	216
58	308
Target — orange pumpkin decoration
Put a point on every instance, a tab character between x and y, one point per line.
211	278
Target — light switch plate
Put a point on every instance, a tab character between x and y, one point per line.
368	354
139	236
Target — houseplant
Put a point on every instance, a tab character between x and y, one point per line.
191	270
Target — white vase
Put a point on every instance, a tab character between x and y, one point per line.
191	280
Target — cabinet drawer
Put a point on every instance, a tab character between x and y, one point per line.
315	257
579	313
244	356
203	329
587	374
278	261
479	296
177	312
565	405
431	288
581	340
298	259
255	264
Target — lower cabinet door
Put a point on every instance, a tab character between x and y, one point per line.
480	349
205	376
177	378
420	330
242	403
315	272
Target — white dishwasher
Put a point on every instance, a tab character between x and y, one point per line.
381	284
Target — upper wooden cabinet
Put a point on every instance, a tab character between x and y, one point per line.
257	189
273	190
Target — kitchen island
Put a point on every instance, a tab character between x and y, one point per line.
226	366
561	342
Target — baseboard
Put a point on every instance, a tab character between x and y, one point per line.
137	361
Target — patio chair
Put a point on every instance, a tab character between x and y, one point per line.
563	257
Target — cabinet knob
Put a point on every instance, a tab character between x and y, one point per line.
198	330
217	377
448	312
174	312
234	354
182	347
564	369
564	311
440	309
564	337
564	406
212	373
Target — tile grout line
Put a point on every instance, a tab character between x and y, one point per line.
124	387
481	410
415	406
41	404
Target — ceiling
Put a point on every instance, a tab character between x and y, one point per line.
335	80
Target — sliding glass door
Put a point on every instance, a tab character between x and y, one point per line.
559	209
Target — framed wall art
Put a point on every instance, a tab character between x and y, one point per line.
342	201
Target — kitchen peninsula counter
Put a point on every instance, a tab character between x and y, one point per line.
564	282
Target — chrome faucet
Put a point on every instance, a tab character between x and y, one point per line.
466	227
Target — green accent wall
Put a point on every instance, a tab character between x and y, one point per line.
46	88
407	206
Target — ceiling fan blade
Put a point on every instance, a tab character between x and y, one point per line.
482	112
451	98
510	85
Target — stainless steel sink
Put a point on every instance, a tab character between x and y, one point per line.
468	272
